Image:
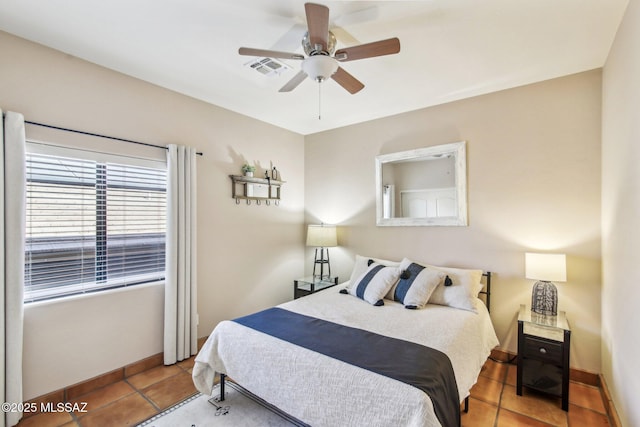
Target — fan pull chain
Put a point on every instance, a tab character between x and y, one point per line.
319	100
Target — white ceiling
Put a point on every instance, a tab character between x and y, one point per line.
450	49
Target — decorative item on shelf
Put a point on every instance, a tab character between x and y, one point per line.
545	268
323	237
248	170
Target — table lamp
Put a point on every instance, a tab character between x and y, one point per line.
322	237
545	268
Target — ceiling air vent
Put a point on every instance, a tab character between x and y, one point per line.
268	66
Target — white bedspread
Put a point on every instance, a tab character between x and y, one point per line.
322	391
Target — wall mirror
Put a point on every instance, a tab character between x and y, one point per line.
423	187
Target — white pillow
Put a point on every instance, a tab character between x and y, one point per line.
461	291
362	264
374	283
416	284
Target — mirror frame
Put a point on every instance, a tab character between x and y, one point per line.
458	149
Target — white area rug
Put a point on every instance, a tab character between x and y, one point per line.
239	409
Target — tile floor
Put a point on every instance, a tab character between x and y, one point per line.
493	401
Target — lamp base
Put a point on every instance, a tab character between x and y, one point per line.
322	261
544	298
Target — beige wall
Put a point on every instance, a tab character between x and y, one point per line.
621	217
533	184
248	256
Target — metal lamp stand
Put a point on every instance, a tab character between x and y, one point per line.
322	261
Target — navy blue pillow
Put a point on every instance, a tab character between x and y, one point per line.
375	283
416	285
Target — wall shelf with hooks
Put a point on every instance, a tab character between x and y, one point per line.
244	188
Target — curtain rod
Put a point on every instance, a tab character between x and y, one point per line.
98	135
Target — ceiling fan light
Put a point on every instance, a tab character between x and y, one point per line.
319	67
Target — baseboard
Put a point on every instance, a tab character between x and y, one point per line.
608	403
503	355
201	342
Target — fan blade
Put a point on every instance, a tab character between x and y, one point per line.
347	81
294	82
368	50
269	53
318	24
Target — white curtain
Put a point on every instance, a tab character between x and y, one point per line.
12	226
180	300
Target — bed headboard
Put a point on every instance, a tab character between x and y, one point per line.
486	290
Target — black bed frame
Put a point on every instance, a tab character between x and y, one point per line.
486	291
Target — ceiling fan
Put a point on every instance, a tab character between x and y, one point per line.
322	59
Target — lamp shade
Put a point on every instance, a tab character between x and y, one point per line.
322	236
546	267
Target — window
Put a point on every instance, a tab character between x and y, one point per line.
93	222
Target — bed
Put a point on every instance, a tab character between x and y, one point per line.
325	389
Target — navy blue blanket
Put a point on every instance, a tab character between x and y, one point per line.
425	368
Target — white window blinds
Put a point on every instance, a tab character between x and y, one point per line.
92	225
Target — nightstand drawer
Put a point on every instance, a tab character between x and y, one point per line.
541	349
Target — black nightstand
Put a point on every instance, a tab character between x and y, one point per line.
543	354
309	285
